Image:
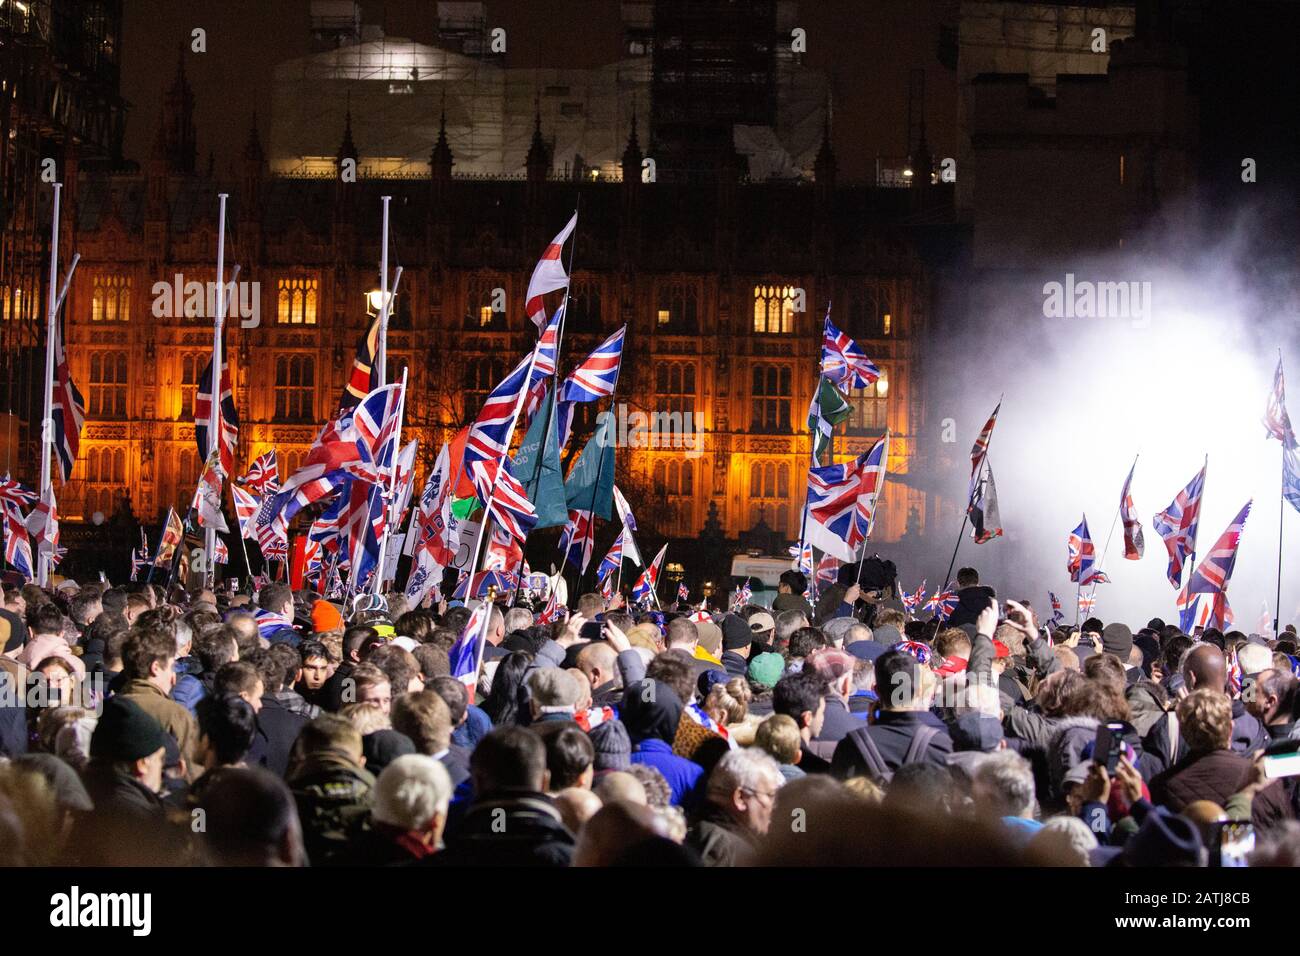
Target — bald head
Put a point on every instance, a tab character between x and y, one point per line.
1205	669
614	830
576	806
616	786
599	662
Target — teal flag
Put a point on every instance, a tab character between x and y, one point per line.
591	482
541	474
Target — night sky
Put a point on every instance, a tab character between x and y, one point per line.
867	46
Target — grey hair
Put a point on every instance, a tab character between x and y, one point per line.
1254	658
554	689
184	633
745	769
1066	840
518	619
1011	777
787	622
411	791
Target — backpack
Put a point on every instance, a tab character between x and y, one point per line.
876	763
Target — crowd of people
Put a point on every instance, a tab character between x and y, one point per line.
147	726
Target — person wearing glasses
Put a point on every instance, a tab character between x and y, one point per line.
738	808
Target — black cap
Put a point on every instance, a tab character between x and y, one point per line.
126	732
735	633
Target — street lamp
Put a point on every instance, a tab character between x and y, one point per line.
375	300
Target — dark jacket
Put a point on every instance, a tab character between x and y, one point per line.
892	734
277	729
719	839
13	717
521	828
382	845
331	692
1213	776
127	827
456	763
970	602
333	797
838	724
792	602
734	664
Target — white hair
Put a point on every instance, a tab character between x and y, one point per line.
518	619
980	698
411	791
184	635
554	690
1254	658
745	769
1066	840
1011	778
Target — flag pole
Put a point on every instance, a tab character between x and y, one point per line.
1110	534
970	498
239	531
47	422
1281	515
214	410
392	489
600	462
44	559
381	358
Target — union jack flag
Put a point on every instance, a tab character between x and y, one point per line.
1176	525
504	553
263	475
221	554
943	604
607	588
544	364
803	558
980	449
649	579
1276	419
207	495
1086	602
43	523
1082	553
140	557
172	534
67	408
434	525
467	653
578	538
614	559
16	492
1057	615
552	612
596	376
483	580
227	416
489	437
355	444
918	650
683	592
504	497
18	550
843	362
913	601
842	498
364	377
828	569
246	506
1133	543
743	595
1212	575
548	275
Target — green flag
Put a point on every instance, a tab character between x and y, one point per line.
827	410
591	482
462	508
541	474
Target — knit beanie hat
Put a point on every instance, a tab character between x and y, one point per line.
1117	639
735	633
125	732
613	746
325	617
766	669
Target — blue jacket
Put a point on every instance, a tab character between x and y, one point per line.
477	726
189	690
685	777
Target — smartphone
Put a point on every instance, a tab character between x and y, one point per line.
1282	759
1108	746
1236	842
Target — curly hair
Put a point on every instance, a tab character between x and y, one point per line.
1205	717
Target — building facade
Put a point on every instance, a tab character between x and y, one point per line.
723	286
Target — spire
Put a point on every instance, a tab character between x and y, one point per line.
632	154
538	160
824	164
347	149
177	140
253	148
440	159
